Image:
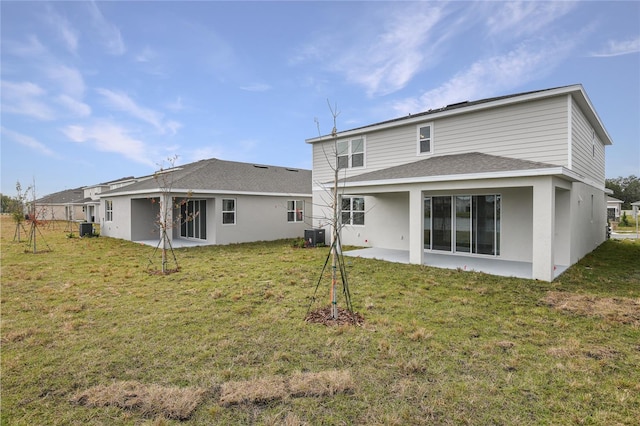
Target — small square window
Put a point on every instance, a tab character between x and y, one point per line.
350	153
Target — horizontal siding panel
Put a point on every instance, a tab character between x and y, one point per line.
534	131
584	162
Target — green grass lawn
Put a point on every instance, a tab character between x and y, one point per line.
87	321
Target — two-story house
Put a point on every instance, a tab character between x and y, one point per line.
517	178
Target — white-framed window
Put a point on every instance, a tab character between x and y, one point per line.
295	211
228	211
350	153
425	138
352	210
108	210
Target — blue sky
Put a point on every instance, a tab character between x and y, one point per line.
95	91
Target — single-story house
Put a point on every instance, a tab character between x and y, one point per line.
517	179
62	205
210	202
614	207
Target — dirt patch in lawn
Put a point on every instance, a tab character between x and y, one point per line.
345	317
151	400
616	309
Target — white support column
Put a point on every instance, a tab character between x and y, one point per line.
543	229
416	227
166	203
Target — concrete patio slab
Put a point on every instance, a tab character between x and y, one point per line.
492	266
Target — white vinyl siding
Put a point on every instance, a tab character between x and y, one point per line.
586	147
535	131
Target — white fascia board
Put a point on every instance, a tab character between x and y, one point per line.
547	171
486	105
551	171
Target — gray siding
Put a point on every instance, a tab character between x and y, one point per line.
536	131
584	162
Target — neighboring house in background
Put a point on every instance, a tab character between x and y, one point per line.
232	203
63	205
635	209
614	208
519	178
92	193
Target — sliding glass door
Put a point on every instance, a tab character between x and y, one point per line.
193	219
463	224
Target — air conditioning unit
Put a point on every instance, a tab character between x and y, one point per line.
86	228
314	237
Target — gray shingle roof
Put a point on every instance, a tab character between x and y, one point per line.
63	197
219	175
448	165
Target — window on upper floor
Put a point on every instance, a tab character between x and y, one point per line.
425	139
350	153
352	211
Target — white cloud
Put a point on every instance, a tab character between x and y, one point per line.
519	18
77	108
146	55
110	34
28	141
398	53
619	47
176	105
123	102
406	40
68	79
31	48
66	32
257	87
490	77
25	99
109	137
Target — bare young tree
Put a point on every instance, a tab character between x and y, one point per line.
337	262
165	220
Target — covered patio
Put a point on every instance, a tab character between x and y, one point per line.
493	266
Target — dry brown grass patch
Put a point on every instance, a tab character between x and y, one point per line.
319	384
150	400
618	309
260	391
256	391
